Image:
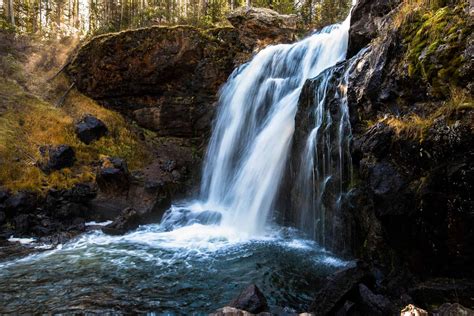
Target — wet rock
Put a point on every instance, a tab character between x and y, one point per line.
339	287
251	300
113	176
62	156
167	78
455	309
182	217
128	220
3	216
90	128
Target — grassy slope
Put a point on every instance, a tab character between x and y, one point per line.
29	119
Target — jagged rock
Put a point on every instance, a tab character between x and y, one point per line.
62	156
338	288
374	304
90	128
455	309
365	22
113	176
128	220
251	300
412	310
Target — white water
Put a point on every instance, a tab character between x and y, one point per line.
254	128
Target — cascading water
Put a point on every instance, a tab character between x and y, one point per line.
203	252
251	140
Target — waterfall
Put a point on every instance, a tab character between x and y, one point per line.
255	123
253	132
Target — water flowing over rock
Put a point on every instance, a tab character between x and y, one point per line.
250	144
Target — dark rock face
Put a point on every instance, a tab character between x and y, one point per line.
251	300
60	157
32	214
128	220
366	17
90	128
339	288
167	78
455	309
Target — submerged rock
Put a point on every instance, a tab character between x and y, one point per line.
90	128
251	300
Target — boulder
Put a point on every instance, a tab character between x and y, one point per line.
251	300
340	287
90	128
128	220
62	156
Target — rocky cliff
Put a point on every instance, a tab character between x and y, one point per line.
410	210
167	78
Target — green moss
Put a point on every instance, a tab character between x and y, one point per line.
434	39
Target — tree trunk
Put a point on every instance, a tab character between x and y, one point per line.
11	12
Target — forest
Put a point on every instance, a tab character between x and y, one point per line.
60	18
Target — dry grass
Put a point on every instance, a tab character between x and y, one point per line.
415	127
27	123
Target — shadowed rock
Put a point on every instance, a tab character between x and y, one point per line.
251	300
90	128
62	156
